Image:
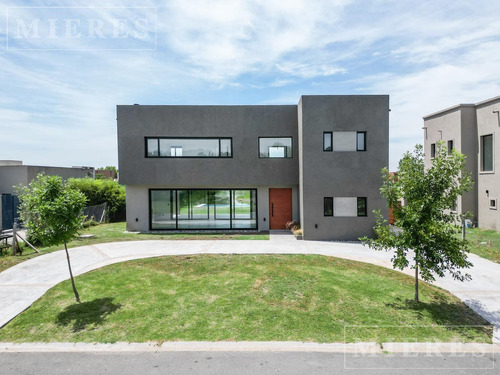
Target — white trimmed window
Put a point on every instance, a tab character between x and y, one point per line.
487	153
493	203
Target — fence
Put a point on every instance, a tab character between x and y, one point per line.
97	213
9	205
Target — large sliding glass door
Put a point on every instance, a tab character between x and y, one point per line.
203	209
162	210
244	207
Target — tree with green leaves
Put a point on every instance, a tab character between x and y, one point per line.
429	228
102	191
52	213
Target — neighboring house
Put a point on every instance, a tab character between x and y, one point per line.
106	173
472	129
255	167
13	173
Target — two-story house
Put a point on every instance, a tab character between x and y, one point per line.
471	129
255	167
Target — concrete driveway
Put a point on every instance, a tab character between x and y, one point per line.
24	283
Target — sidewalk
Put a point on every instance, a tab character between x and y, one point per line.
24	283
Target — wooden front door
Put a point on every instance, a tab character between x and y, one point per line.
280	208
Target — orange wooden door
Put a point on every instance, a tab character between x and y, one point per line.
280	208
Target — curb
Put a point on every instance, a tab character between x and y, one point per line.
253	346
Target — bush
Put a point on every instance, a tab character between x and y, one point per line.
102	191
292	225
90	223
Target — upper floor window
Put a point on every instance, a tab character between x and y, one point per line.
327	141
487	153
166	147
275	147
433	150
361	141
450	147
344	141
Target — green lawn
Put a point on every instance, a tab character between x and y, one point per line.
115	232
245	297
485	243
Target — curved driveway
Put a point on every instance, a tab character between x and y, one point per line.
24	283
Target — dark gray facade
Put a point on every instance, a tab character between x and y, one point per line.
309	172
341	173
244	124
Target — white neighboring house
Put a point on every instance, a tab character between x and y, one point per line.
474	130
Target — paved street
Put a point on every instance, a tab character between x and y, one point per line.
242	363
24	283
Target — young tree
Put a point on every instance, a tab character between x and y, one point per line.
52	213
429	228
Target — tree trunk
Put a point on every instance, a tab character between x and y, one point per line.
416	283
77	297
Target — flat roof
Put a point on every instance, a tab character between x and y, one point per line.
488	101
449	109
458	106
42	166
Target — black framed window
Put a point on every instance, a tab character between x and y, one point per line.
362	210
450	147
275	147
433	150
344	141
203	209
487	153
152	147
361	141
188	147
328	206
327	141
226	147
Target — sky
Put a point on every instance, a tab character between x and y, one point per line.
65	65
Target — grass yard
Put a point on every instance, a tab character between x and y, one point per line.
485	243
245	297
115	232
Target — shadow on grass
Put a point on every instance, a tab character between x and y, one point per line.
456	317
81	315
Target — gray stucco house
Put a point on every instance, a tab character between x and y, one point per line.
14	172
255	167
471	129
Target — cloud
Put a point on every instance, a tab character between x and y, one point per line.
306	71
471	79
427	56
225	39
